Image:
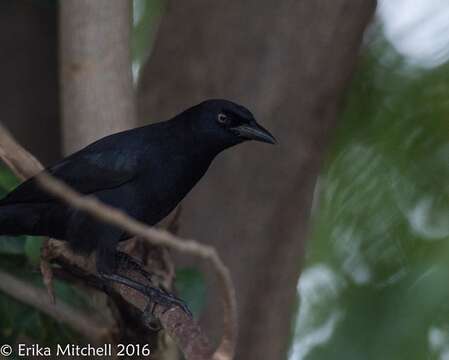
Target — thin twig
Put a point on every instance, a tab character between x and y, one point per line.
117	217
36	297
24	165
20	161
225	351
173	225
180	327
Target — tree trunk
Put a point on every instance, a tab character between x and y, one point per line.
97	89
289	61
97	92
29	76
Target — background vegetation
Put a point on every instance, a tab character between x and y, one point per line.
375	283
376	274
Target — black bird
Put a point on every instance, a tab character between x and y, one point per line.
145	172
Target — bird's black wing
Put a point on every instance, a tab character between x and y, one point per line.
87	171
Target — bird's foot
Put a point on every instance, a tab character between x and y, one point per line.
164	298
156	295
127	262
149	319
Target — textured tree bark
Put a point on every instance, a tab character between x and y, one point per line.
96	79
29	77
289	61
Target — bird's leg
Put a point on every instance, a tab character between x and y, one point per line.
149	319
107	267
127	262
156	295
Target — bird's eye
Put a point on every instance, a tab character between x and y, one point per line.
222	118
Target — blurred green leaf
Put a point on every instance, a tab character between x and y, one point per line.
146	17
72	295
17	319
375	284
33	246
191	287
8	181
12	245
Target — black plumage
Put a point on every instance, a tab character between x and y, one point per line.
145	172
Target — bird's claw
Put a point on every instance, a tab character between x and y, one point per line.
156	295
127	262
149	319
164	298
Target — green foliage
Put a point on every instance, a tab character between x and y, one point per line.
191	287
12	245
19	256
376	281
146	16
7	180
32	249
20	322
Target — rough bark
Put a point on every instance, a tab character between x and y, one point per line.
97	89
29	76
289	61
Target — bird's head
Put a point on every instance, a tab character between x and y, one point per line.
227	123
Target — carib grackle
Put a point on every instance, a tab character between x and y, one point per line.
145	172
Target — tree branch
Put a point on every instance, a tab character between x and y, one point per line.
154	236
185	332
24	165
19	161
36	297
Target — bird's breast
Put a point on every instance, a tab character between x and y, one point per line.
168	183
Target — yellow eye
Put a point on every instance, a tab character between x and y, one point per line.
222	118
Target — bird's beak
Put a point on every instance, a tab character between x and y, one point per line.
254	131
